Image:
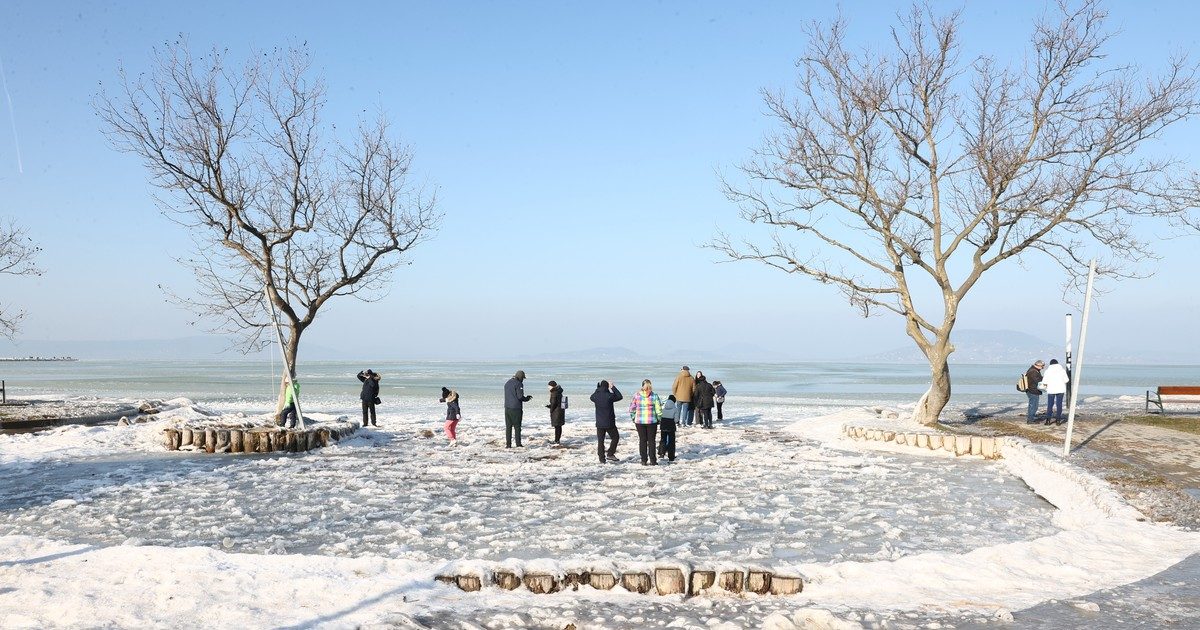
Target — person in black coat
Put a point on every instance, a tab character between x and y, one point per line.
369	395
558	411
703	400
606	420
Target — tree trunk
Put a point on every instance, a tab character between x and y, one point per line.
929	408
291	350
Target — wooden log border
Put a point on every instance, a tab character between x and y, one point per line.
253	439
985	446
661	581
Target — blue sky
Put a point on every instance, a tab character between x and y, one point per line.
576	149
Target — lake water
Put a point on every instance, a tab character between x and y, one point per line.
332	386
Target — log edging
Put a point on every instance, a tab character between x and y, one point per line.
987	447
243	439
664	579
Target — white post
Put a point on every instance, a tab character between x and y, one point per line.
1087	310
1070	329
286	364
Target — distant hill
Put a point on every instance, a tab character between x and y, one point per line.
1008	346
736	352
200	347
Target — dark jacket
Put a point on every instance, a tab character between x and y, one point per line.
606	417
453	411
370	390
721	391
558	415
1033	376
704	394
514	394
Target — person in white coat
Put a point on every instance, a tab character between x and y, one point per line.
1054	381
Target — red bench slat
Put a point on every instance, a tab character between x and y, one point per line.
1179	390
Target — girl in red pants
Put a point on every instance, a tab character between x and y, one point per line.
453	414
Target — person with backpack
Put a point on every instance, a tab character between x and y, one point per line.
369	395
720	398
646	410
558	410
287	416
606	420
453	414
1055	380
703	400
1029	383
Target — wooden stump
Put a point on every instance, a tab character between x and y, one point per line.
171	437
948	443
185	437
701	580
669	581
922	440
636	582
989	448
574	580
935	442
758	582
222	441
976	445
323	437
962	445
469	583
541	583
781	585
446	579
889	436
732	581
198	439
235	441
602	581
314	440
210	440
506	580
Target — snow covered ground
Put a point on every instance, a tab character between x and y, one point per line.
99	526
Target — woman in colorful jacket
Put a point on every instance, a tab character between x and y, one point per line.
453	414
646	410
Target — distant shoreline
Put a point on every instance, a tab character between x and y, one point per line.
35	359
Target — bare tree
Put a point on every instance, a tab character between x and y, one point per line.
17	252
903	177
273	208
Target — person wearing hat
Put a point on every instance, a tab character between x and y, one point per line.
682	389
558	410
453	414
606	420
1033	379
369	395
514	399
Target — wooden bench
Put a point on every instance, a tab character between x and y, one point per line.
1156	396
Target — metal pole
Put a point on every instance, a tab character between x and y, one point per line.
1070	330
1087	310
286	364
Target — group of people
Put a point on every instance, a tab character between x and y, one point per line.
690	397
1054	382
691	401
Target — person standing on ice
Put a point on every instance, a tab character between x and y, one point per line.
719	398
646	410
558	410
682	390
369	395
288	415
1033	379
1054	381
453	414
666	427
703	400
514	400
606	420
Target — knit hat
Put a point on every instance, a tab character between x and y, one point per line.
552	384
685	368
445	392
